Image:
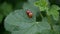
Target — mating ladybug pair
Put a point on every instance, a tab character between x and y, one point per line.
29	13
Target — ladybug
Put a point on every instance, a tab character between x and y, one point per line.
29	13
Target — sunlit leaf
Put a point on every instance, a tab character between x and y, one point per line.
54	12
42	4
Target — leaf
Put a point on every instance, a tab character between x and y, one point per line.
42	4
54	12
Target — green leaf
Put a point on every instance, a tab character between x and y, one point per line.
54	12
42	4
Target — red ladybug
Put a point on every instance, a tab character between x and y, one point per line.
29	13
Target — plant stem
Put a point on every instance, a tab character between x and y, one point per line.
50	21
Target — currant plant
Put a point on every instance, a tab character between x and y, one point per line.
23	21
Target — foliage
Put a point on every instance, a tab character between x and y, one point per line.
51	10
14	20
